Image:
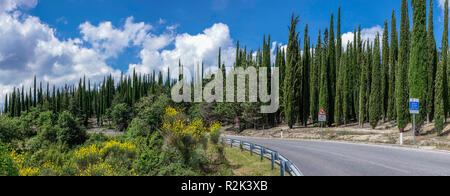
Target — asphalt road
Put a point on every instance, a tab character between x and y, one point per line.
320	158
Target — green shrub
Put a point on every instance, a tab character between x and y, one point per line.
7	167
120	116
11	129
69	132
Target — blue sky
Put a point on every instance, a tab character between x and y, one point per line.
62	40
248	20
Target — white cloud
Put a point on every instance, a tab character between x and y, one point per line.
10	5
190	49
442	4
110	41
366	34
29	47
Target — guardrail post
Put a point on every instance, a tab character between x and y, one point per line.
277	156
241	146
273	159
231	143
251	149
282	168
288	166
262	153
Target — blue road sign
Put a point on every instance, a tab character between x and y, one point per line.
414	106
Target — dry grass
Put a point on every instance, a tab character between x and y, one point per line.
243	164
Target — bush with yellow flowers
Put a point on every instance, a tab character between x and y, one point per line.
105	159
19	161
189	137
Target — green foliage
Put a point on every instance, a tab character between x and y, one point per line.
7	167
324	86
120	116
418	65
402	94
375	93
69	132
12	129
393	55
291	62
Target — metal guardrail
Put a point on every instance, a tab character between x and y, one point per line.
285	164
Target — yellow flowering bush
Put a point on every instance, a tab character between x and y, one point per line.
214	132
19	161
91	160
88	155
101	169
175	124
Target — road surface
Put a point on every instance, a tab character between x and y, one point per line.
320	158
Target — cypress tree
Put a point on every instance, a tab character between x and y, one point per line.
306	79
6	104
289	77
375	108
418	65
315	76
439	99
347	91
332	71
34	96
338	42
363	89
445	62
339	95
431	64
402	70
385	71
393	55
324	87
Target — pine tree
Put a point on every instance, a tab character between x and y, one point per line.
292	52
393	55
402	70
431	64
385	71
375	93
418	65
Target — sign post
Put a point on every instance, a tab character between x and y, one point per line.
322	120
414	108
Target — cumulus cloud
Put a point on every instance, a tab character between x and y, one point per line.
29	47
10	5
366	34
191	50
109	40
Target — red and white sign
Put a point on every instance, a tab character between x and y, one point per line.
322	112
322	115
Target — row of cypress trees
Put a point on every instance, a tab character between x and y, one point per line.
86	100
368	81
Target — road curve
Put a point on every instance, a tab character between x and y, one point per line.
321	158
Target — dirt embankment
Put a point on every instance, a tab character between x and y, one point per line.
386	133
